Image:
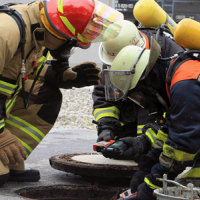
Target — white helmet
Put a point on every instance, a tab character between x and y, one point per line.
128	35
132	64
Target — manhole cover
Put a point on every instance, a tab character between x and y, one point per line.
68	192
93	165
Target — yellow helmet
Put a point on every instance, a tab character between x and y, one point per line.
131	64
128	35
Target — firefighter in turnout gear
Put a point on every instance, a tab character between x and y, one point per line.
119	118
30	98
177	83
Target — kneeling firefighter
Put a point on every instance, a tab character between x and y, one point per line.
138	70
30	98
118	117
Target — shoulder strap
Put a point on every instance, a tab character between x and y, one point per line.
157	32
182	57
20	22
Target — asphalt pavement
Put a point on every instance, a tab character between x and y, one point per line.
58	141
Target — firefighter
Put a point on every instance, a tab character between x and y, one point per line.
177	83
30	98
122	118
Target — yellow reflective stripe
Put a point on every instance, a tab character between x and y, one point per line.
7	87
2	123
162	136
150	184
82	39
48	56
25	123
151	135
64	19
177	154
23	129
139	129
26	146
32	131
42	61
106	112
10	103
68	24
164	114
60	6
192	173
8	84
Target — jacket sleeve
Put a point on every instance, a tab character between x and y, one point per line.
9	42
9	39
184	118
101	107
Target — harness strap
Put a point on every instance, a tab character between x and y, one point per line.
183	60
20	22
21	25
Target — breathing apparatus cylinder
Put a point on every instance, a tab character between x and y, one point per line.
187	34
150	14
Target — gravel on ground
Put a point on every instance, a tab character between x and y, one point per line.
76	109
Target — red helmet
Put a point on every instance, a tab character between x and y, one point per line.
79	18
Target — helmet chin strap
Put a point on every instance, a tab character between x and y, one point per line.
64	51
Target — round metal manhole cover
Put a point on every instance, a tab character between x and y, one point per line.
93	165
69	192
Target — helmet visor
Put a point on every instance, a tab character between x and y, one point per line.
105	24
113	93
118	82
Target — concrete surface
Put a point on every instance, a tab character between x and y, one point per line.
60	141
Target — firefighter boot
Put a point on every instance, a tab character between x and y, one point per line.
4	174
18	173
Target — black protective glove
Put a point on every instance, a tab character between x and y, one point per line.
107	128
127	148
88	74
106	134
54	74
136	146
114	150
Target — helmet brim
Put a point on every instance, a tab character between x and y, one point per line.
51	12
104	57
